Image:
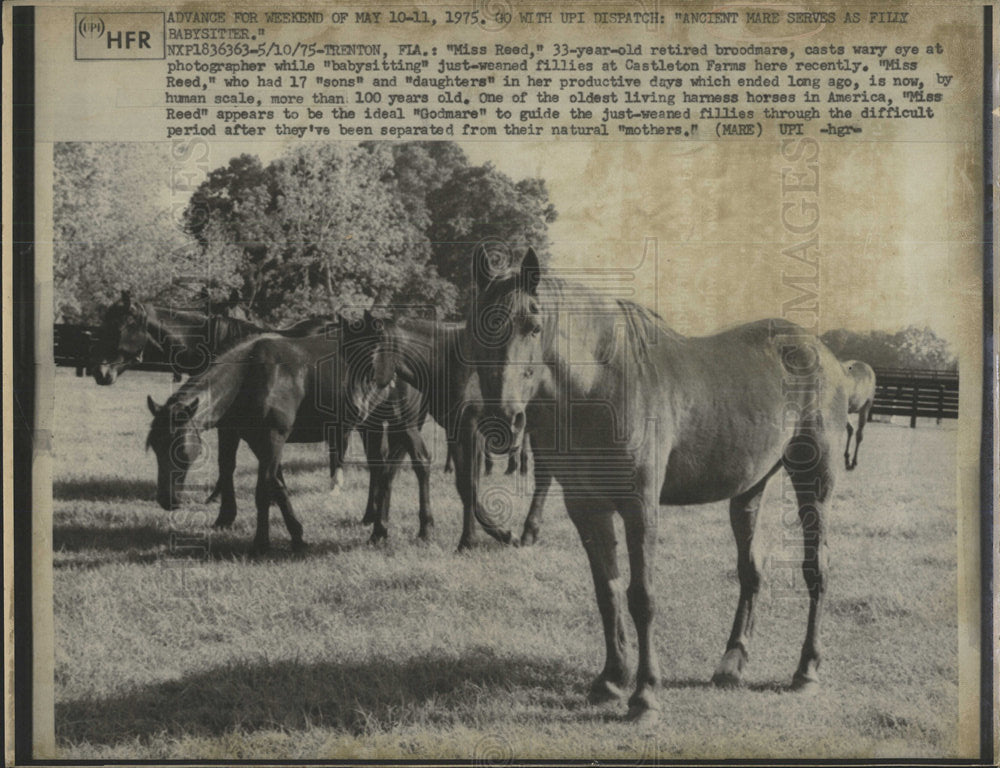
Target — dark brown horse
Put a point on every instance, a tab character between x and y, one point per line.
189	339
432	358
629	415
861	398
267	391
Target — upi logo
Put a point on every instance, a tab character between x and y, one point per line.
119	35
90	27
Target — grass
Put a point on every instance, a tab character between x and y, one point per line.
172	643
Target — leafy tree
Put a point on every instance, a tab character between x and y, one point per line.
318	230
418	169
911	347
112	227
328	226
477	204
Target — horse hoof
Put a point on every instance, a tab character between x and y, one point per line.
729	672
727	680
643	715
222	525
298	546
602	691
528	538
808	686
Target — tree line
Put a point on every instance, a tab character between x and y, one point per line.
322	228
912	347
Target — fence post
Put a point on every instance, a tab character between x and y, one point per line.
940	403
916	398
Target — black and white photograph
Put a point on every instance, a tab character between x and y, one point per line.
475	389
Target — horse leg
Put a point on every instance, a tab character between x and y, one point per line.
393	457
336	447
447	461
512	462
266	471
462	452
862	420
639	515
375	456
229	443
469	451
280	494
543	481
487	463
743	511
524	453
847	448
813	487
421	460
597	532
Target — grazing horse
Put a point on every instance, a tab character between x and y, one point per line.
861	397
267	391
628	414
432	357
189	340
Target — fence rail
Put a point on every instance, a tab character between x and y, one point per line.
898	392
74	346
917	394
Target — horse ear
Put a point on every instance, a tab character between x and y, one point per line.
487	266
153	407
126	299
531	272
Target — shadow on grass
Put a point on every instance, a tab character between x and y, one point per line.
93	546
103	489
81	538
291	696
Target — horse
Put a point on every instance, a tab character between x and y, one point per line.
432	357
627	414
860	400
189	339
267	391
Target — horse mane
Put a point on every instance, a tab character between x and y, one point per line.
644	326
216	387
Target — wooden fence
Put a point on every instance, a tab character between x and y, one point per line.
916	393
74	346
898	392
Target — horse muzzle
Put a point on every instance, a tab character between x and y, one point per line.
105	374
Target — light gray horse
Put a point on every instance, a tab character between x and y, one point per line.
627	415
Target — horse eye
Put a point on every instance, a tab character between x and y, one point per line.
536	331
529	372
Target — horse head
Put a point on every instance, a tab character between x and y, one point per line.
506	343
122	339
176	442
369	364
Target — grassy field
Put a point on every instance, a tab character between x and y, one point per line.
171	643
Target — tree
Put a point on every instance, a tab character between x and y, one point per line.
912	347
318	230
329	226
112	227
481	204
